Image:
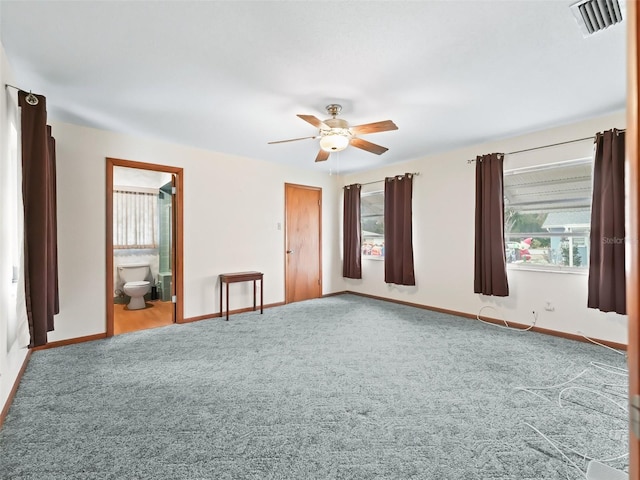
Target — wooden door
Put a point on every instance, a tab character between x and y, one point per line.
633	235
303	271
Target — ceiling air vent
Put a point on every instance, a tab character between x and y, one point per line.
596	15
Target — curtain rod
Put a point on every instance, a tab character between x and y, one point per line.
551	145
31	98
378	181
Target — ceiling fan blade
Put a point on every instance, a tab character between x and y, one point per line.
291	140
368	146
316	122
376	127
322	156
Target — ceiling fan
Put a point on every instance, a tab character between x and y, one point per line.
335	134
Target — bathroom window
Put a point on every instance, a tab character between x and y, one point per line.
135	218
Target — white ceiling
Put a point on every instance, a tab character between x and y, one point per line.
230	76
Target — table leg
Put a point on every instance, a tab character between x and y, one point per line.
254	295
227	301
261	294
221	282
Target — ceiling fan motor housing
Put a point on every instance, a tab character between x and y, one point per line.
337	123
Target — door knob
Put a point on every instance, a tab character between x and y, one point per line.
289	251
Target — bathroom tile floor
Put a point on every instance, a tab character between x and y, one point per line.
156	314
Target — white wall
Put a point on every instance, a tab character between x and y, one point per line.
12	333
443	223
232	207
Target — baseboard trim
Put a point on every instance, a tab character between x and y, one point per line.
14	389
325	295
555	333
198	318
546	331
100	336
231	312
71	341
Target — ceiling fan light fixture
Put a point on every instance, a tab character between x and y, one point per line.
336	135
334	142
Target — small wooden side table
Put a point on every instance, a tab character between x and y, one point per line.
241	277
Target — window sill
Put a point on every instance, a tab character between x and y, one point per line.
550	269
129	251
373	257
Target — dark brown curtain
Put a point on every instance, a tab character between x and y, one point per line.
40	234
352	250
398	243
606	262
490	273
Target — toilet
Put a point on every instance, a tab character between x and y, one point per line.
135	284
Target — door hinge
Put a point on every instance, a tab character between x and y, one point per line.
174	299
174	190
319	282
634	414
319	203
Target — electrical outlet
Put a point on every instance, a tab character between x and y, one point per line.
548	306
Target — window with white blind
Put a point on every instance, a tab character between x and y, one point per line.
547	215
135	218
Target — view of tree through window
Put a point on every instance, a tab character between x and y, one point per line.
547	214
372	224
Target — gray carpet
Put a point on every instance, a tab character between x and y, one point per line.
337	388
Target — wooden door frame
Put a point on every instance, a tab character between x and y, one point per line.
178	280
286	237
633	235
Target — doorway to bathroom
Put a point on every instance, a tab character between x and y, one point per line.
143	246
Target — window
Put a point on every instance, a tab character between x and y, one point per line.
547	215
15	205
135	218
372	224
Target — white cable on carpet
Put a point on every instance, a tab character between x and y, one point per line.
587	457
611	368
506	325
600	394
550	387
623	407
624	394
607	368
619	352
584	456
582	474
602	366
